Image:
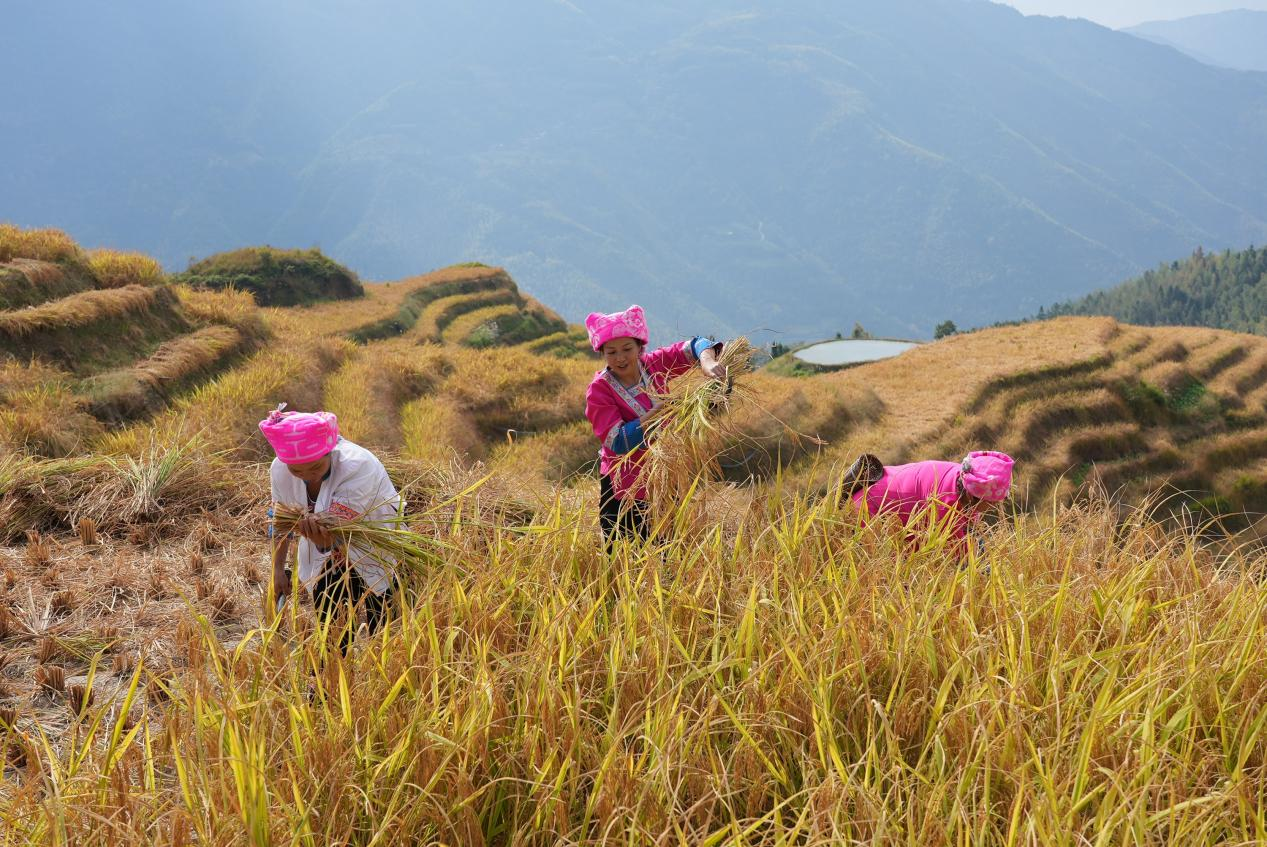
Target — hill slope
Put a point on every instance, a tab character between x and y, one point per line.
795	165
1233	39
1224	290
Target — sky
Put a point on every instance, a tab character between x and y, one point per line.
1120	13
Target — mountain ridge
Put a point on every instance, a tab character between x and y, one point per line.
1231	39
796	168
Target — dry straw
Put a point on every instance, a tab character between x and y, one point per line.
117	268
390	541
693	426
81	310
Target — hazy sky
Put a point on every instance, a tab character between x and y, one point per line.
1120	13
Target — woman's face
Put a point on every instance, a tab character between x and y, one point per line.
311	472
622	356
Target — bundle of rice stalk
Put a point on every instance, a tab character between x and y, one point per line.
688	430
692	428
39	494
168	482
389	541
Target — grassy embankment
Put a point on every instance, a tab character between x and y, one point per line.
99	337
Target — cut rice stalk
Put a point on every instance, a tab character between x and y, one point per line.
390	541
690	428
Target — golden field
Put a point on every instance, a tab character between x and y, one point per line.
765	672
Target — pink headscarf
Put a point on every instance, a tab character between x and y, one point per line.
987	475
300	437
630	323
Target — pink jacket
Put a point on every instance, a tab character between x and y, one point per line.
609	405
920	489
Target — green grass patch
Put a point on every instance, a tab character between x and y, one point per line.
276	277
416	303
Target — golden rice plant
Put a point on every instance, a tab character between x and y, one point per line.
441	312
81	310
47	245
225	306
117	268
803	680
688	430
436	432
368	392
225	412
391	540
543	459
40	413
204	350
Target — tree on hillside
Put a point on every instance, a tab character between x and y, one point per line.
859	332
944	329
1225	290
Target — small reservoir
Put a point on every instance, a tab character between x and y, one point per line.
852	351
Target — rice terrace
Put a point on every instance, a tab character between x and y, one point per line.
477	423
764	670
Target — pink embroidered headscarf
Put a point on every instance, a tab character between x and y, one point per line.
630	323
987	475
300	437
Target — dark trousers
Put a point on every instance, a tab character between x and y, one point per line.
619	517
340	587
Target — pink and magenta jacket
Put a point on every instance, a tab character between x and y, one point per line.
610	406
921	489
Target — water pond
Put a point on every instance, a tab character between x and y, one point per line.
851	351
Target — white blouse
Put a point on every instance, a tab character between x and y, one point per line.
358	485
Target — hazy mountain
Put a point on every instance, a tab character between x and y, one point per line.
798	164
1236	39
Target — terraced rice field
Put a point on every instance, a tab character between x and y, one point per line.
85	343
769	674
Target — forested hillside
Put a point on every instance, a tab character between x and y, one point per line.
1225	290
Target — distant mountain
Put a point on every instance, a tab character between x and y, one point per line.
1236	39
801	164
1223	290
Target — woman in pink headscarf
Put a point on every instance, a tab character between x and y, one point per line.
324	476
935	494
621	395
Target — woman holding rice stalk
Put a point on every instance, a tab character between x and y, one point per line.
950	495
621	397
323	479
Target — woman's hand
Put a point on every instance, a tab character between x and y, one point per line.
311	528
712	368
281	583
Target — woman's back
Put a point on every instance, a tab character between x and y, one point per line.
905	489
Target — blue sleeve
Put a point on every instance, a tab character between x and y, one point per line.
699	344
628	438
